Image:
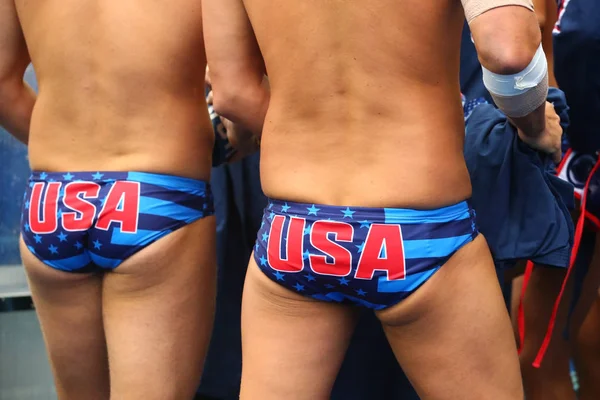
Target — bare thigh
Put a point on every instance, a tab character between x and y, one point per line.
453	336
158	315
552	380
292	346
69	307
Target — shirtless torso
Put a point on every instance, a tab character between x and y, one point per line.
121	86
363	114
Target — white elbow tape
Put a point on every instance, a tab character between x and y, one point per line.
519	94
474	8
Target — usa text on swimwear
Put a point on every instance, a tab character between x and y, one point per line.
121	206
383	249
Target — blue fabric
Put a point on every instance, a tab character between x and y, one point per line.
369	257
471	81
85	221
577	69
522	207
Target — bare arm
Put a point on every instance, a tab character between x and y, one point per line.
545	12
237	71
16	97
506	39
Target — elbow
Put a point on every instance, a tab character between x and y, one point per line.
509	46
511	59
227	103
234	102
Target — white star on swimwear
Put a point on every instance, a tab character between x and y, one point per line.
53	249
68	176
97	176
97	244
364	224
343	281
43	175
38	239
285	207
62	237
299	287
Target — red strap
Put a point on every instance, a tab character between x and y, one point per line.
521	314
578	233
563	161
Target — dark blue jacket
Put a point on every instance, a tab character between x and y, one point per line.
577	69
522	207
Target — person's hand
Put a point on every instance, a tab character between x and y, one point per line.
550	139
240	138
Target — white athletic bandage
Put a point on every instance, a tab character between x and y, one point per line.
519	94
474	8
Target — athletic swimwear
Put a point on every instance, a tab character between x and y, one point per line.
86	221
371	257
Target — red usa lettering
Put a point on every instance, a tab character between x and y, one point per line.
121	206
326	236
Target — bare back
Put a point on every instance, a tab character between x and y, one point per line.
365	104
121	86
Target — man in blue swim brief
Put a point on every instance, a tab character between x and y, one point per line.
362	158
